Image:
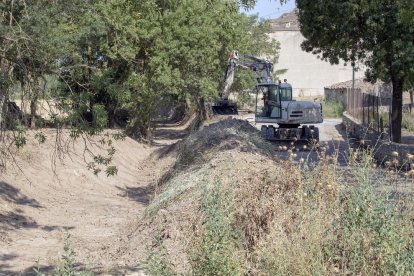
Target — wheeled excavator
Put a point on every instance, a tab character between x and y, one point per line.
281	117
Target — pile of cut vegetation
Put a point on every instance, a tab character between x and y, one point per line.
229	207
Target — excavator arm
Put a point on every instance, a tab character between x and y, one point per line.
262	68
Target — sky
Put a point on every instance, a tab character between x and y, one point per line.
271	9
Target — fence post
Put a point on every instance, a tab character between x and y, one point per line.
373	109
363	109
390	122
378	115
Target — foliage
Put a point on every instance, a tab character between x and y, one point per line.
378	34
20	139
67	265
158	263
408	121
333	109
40	137
110	62
100	161
215	253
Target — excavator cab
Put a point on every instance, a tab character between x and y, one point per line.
269	98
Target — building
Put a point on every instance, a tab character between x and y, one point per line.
338	91
307	74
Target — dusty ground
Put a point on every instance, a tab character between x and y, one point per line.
40	205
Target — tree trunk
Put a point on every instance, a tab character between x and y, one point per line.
202	109
396	109
33	103
3	110
110	110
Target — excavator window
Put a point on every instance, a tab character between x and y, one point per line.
285	94
268	101
273	93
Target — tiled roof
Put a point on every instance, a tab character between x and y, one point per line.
378	88
359	83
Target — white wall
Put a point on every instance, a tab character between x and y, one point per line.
307	74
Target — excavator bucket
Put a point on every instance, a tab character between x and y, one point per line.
224	109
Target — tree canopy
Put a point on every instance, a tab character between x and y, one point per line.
379	34
121	58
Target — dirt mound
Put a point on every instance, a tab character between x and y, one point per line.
228	160
216	138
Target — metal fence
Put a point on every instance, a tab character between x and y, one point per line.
371	110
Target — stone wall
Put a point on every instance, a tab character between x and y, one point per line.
381	144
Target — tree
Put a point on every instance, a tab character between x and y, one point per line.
125	55
196	39
378	33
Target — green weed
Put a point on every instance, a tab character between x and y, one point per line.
158	263
67	265
215	253
408	121
332	109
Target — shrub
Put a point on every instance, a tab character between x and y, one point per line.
332	109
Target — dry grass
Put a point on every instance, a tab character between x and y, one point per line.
224	135
233	209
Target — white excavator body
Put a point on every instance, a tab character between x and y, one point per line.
282	118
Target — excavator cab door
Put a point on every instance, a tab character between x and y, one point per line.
268	101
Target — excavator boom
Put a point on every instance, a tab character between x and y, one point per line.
261	67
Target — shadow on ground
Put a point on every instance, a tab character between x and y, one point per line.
13	195
138	194
16	218
339	146
170	134
5	268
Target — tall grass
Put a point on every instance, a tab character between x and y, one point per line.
332	109
318	221
408	121
215	253
263	216
361	232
